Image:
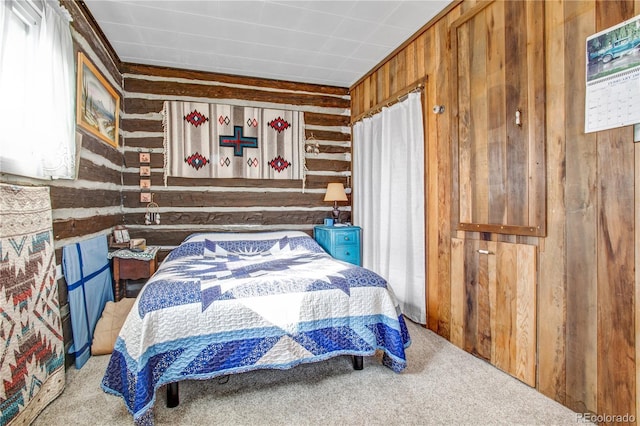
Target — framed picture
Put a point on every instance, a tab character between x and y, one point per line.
145	171
97	103
145	197
121	236
145	157
145	183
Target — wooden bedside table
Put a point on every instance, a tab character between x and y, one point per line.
341	242
129	265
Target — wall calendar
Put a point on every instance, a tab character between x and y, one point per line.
613	77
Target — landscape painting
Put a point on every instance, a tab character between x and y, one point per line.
97	103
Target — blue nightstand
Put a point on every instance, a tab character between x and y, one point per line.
341	242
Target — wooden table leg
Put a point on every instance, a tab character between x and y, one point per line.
116	277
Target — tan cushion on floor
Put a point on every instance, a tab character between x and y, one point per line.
109	325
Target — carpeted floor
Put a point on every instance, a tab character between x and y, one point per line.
443	385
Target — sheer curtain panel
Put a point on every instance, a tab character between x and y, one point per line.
388	200
37	90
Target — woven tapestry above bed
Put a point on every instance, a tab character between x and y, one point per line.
223	141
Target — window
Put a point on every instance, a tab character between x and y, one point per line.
36	90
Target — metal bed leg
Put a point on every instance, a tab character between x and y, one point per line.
173	399
357	362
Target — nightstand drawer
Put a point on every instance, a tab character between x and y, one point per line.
348	252
346	237
132	269
132	266
341	242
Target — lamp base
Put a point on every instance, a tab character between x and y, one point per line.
336	214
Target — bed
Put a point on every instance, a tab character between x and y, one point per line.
224	303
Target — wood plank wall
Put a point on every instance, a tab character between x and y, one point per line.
200	205
425	56
588	265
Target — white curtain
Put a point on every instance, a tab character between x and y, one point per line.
57	93
388	200
37	88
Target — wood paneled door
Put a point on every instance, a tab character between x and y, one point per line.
498	121
493	304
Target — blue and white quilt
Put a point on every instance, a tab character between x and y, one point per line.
225	303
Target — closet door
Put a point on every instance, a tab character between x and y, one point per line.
498	118
493	304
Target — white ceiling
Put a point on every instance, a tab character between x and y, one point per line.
323	42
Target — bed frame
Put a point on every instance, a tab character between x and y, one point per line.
173	399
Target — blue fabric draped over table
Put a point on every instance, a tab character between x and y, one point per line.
88	274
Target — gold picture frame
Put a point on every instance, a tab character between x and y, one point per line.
97	103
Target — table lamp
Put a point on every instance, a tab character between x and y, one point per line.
335	192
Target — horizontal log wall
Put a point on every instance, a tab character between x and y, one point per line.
91	204
588	279
201	205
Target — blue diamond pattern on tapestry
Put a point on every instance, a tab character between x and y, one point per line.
238	141
279	124
196	161
196	118
279	164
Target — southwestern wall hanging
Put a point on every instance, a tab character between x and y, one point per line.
223	141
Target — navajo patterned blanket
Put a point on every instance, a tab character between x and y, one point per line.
223	141
31	343
229	303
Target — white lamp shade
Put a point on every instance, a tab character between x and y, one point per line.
335	192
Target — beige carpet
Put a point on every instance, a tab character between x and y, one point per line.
442	385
